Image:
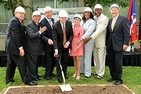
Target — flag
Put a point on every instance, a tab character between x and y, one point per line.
139	37
132	21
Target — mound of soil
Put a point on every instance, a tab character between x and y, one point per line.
76	89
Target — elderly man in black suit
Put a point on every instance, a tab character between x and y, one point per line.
48	43
117	41
14	45
34	46
62	37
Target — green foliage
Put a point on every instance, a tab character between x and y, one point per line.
91	3
131	78
12	4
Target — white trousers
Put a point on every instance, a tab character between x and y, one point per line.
86	59
99	60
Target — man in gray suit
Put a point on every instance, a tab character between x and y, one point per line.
34	46
117	41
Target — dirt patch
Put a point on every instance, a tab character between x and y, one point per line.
76	89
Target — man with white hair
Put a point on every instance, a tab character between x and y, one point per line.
14	46
100	38
117	41
34	46
62	37
48	21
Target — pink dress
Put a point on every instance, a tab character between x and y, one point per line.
78	32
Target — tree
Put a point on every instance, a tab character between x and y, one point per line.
91	3
12	4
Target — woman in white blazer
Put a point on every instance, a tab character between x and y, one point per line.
89	25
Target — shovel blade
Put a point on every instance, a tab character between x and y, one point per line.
65	87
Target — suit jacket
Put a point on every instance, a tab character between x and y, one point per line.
47	35
34	43
120	35
100	32
15	36
58	34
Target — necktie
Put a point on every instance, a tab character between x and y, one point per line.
64	34
50	22
113	23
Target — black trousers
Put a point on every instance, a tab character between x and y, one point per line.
32	67
115	63
49	64
63	56
13	61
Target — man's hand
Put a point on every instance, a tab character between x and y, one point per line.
42	29
125	47
21	52
56	53
50	42
66	45
87	39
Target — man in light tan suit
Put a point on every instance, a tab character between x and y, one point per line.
100	37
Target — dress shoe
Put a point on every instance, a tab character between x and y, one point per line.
36	79
87	76
11	81
99	77
60	80
31	83
110	80
47	78
117	82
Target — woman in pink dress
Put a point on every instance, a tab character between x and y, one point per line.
77	50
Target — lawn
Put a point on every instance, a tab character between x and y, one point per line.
131	78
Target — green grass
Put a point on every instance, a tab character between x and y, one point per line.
131	78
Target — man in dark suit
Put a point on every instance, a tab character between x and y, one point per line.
14	46
48	43
117	41
62	37
34	46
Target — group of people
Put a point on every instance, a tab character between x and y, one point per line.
87	35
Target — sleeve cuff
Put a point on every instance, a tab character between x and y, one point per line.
39	32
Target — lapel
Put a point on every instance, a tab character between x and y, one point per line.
86	23
20	23
35	25
118	20
60	28
47	23
99	19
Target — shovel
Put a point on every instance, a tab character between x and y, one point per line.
64	87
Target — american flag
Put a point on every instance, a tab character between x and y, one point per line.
132	20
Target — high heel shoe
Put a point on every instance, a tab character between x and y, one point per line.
74	75
77	77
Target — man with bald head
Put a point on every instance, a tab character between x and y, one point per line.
117	41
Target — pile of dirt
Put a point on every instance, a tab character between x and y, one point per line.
76	89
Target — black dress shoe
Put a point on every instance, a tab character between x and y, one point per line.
36	79
47	78
110	80
11	81
117	82
60	80
31	83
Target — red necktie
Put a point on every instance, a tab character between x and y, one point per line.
64	34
